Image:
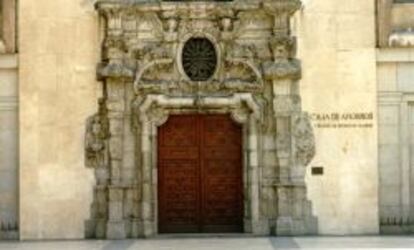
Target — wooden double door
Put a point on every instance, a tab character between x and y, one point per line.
200	175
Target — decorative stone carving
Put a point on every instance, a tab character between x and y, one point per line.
114	46
254	81
96	144
199	59
287	103
403	38
114	51
153	51
115	70
241	67
238	51
304	139
283	64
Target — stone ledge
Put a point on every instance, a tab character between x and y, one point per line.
387	55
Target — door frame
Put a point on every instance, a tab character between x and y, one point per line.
154	111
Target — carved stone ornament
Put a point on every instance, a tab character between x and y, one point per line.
96	143
304	139
199	59
115	70
283	47
287	103
282	69
402	38
163	58
283	64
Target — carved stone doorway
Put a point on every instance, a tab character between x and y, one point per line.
162	59
200	175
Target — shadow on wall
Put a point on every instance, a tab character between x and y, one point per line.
9	231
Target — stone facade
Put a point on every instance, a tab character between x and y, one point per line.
396	113
255	81
395	69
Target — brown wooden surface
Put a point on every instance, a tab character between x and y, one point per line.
200	175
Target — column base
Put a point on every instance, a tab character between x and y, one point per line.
116	230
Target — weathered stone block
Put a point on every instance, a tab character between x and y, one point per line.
116	147
116	194
116	210
116	230
116	126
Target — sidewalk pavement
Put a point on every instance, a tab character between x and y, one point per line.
222	243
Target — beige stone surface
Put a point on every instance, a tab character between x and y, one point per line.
59	49
337	49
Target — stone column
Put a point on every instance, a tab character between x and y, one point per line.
253	162
146	201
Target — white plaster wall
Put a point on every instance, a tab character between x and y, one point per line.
337	49
59	48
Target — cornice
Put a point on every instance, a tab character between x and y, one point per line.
272	7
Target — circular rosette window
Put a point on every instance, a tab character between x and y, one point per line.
199	59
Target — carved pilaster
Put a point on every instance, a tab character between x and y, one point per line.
294	136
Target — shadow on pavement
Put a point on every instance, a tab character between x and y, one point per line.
283	243
118	245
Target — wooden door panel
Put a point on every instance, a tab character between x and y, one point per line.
179	131
200	175
188	153
222	175
179	196
179	174
221	153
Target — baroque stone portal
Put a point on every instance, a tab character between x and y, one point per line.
199	57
